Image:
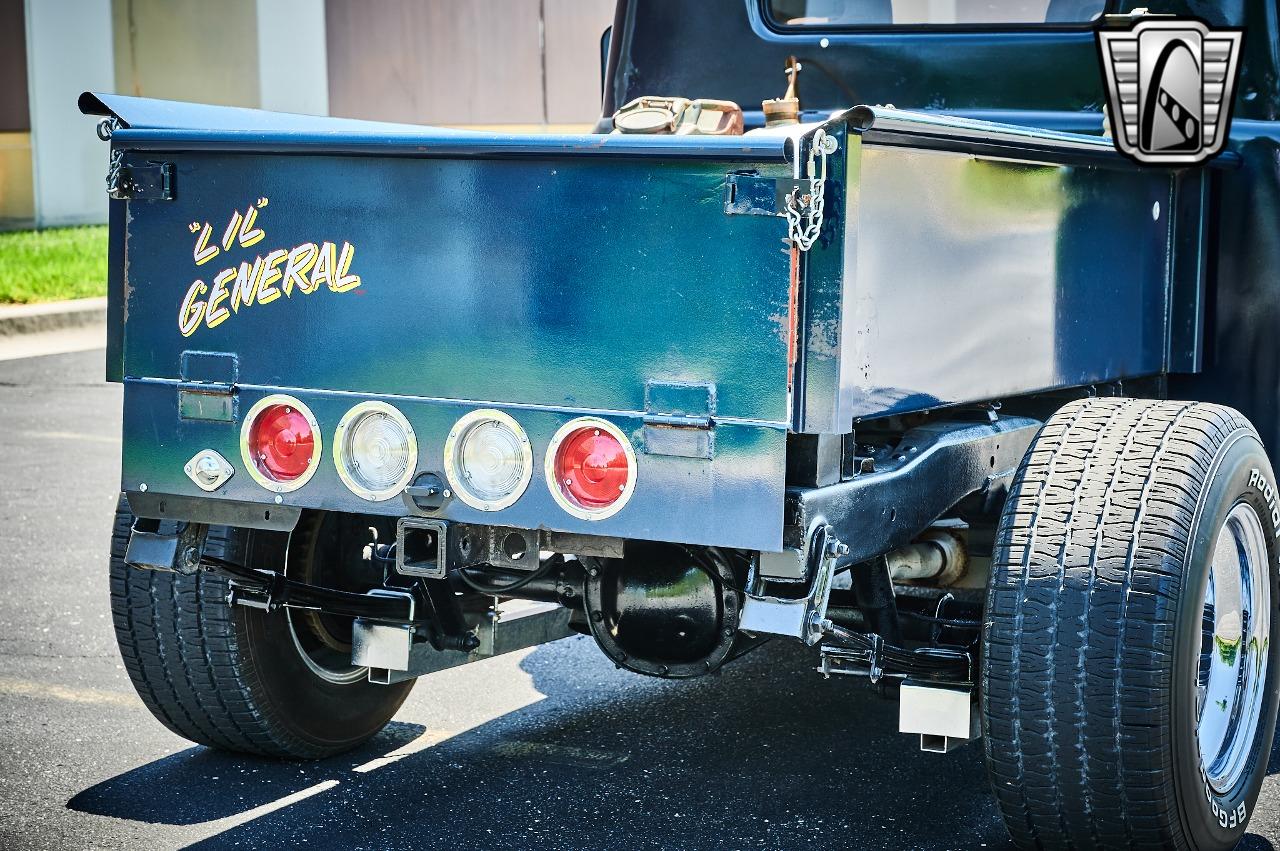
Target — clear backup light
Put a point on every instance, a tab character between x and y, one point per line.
591	468
488	460
375	451
280	443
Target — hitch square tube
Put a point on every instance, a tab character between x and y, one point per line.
421	547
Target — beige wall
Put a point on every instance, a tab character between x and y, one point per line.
17	197
573	30
191	50
478	62
267	54
526	64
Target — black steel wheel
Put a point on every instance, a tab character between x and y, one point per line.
278	684
1128	681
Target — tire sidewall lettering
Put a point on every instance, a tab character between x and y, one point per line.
1227	817
1214	818
1261	482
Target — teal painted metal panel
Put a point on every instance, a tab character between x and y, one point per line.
558	282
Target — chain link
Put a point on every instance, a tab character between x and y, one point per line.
115	175
804	211
115	170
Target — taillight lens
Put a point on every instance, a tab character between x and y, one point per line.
280	443
591	468
488	460
375	450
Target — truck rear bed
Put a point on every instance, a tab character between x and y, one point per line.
544	277
645	280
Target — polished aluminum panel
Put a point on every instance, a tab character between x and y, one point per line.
962	274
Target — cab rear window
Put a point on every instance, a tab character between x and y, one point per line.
853	14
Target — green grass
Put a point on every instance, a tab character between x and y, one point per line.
52	265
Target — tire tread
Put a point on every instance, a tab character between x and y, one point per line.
184	652
1079	639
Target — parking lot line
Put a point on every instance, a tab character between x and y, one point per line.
49	691
421	743
74	436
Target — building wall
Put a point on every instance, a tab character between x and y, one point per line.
482	62
17	203
573	69
14	117
292	56
68	51
518	64
267	54
188	50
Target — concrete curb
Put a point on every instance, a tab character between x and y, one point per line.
18	319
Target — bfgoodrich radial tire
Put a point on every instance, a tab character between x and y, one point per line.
237	678
1128	673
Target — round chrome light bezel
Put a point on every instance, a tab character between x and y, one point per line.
553	483
454	473
340	456
246	455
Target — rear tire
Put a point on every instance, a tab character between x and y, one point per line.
1109	656
235	678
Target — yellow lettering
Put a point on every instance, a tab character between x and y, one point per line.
204	252
325	263
215	315
249	235
305	267
192	310
344	281
267	292
300	262
229	235
246	284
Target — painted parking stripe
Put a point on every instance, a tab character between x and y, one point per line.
50	691
73	436
421	743
278	804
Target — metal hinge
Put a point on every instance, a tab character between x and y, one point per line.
150	182
679	419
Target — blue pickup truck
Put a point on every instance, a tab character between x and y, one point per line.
919	370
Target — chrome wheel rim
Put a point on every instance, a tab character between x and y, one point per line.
319	652
330	670
1235	635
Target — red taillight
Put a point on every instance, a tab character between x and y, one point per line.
282	442
593	468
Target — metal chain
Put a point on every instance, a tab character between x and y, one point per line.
115	176
804	211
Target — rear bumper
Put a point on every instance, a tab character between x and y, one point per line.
734	498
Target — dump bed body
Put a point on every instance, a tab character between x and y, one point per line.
645	280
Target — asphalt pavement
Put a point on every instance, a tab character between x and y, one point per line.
550	748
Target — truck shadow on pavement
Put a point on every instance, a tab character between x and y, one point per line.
765	755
